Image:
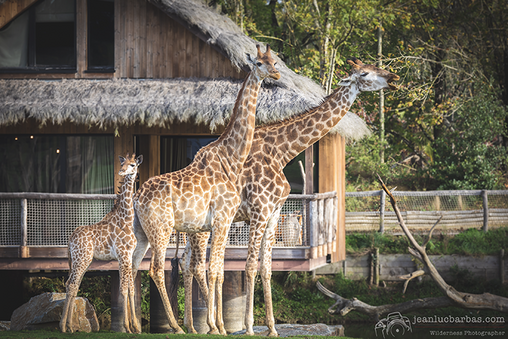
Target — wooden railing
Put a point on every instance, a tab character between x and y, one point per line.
48	219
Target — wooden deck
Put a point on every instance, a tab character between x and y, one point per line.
55	258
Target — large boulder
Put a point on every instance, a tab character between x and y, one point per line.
44	311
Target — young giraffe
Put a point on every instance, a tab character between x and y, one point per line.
264	188
201	197
109	239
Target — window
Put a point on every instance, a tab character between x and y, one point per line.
178	152
101	35
57	164
42	38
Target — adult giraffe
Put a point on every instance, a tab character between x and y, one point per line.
264	188
203	196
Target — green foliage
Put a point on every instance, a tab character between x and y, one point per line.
470	155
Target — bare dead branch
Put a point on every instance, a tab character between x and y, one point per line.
409	277
452	297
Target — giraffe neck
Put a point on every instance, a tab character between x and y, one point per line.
304	130
124	200
237	137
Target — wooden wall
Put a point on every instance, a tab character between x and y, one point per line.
332	176
148	45
11	8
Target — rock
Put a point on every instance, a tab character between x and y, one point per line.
289	330
5	325
44	311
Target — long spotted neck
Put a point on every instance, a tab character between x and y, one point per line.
237	137
125	203
304	130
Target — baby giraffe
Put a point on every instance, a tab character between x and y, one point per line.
111	238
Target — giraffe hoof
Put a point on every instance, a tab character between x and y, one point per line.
273	334
215	331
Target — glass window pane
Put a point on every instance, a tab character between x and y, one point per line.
55	33
101	34
57	164
14	42
178	152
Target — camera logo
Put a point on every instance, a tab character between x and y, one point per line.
394	325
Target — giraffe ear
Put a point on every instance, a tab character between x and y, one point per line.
139	159
250	59
122	159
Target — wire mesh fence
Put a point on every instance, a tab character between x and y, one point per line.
368	211
35	219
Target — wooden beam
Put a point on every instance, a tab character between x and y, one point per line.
332	177
12	8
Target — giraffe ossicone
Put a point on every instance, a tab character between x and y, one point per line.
112	238
264	188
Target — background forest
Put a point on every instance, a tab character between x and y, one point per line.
447	125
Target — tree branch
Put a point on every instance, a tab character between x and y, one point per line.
452	297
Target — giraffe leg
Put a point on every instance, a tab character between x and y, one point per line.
78	269
142	244
256	230
187	282
266	271
123	299
217	249
193	265
130	320
157	275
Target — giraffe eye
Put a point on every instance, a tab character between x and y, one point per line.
364	74
259	64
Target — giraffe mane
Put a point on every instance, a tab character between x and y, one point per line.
295	117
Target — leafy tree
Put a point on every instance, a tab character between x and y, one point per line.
470	154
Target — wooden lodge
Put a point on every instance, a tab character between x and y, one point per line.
105	77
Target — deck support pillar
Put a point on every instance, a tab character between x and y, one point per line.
233	303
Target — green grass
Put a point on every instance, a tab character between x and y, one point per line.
470	242
112	335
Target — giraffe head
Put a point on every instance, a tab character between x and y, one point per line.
369	77
129	164
264	65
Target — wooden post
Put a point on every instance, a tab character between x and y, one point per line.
23	250
234	298
332	174
376	266
382	212
309	171
485	210
314	232
199	310
501	266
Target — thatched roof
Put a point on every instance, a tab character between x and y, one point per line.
148	102
162	102
222	33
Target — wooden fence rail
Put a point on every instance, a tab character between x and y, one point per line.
459	209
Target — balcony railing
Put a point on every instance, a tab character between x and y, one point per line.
48	219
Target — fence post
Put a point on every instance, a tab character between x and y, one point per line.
382	212
24	229
485	210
